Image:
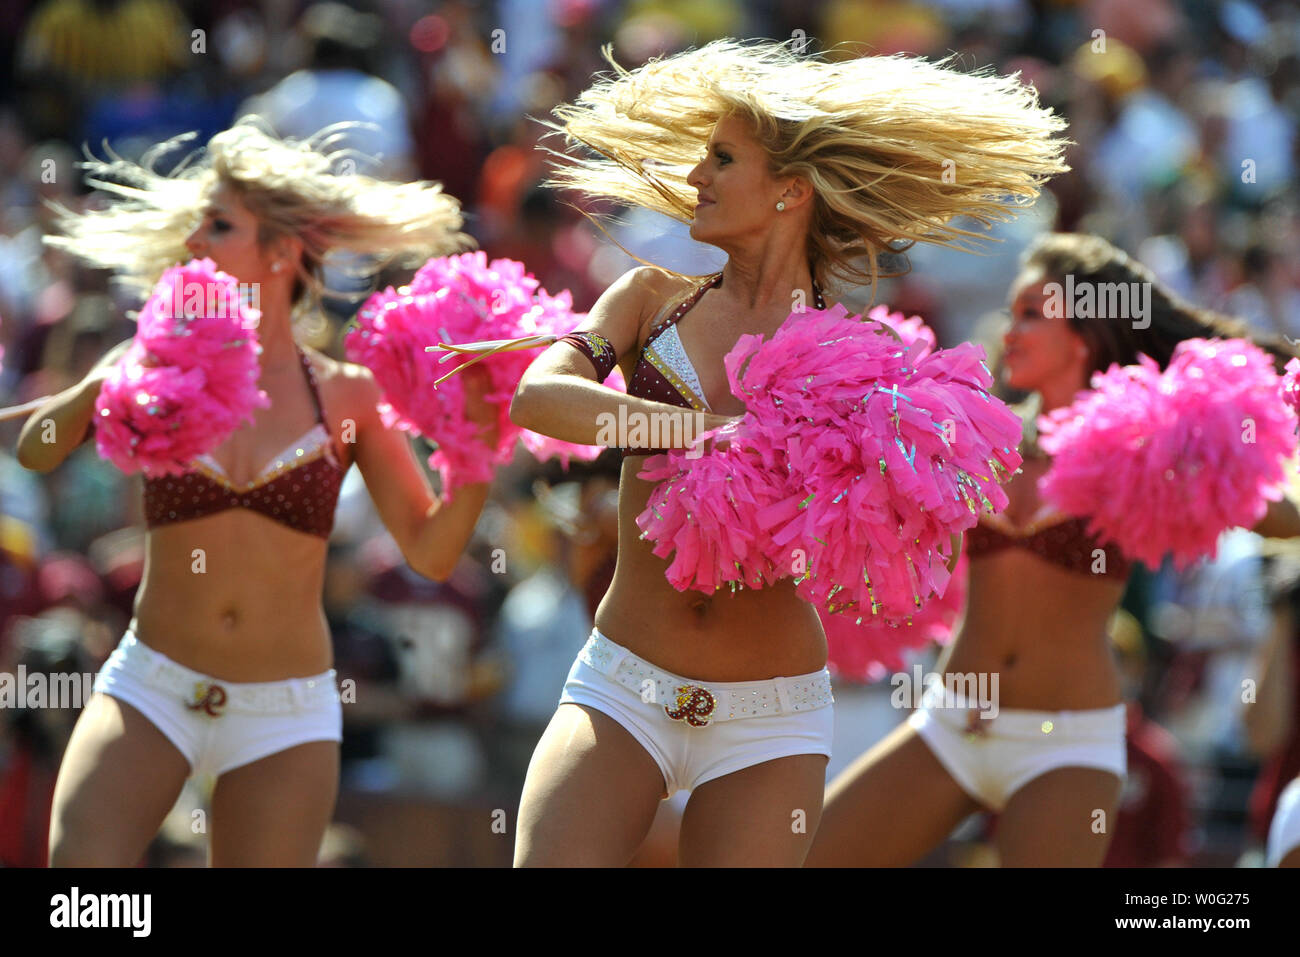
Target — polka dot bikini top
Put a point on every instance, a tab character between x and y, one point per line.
1063	543
298	488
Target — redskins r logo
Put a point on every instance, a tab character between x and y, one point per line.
210	698
694	705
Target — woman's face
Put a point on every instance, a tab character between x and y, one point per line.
737	195
227	235
1039	351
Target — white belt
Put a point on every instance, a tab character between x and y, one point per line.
699	703
211	696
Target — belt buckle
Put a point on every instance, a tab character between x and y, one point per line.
976	726
694	705
208	697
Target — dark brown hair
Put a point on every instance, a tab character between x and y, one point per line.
1113	339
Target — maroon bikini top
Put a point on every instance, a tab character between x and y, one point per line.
298	488
1064	543
664	372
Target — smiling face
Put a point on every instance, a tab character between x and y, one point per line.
737	193
1040	351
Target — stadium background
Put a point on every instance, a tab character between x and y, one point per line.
1184	118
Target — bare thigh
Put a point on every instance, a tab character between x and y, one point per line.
764	815
590	795
659	849
889	808
1063	818
118	779
274	812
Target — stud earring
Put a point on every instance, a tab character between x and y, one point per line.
780	207
276	266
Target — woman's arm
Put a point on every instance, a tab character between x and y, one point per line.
1267	719
55	429
1282	520
431	533
560	397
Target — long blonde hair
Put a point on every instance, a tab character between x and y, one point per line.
895	147
291	186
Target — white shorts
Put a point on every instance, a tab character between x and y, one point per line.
220	725
992	758
1284	832
697	731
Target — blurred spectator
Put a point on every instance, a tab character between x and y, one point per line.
1152	826
338	85
447	701
33	738
1272	713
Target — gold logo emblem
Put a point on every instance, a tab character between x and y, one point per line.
209	697
694	705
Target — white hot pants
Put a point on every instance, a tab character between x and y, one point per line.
697	731
992	758
220	725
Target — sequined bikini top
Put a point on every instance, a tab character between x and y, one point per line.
665	373
1064	542
298	488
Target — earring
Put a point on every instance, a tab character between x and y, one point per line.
780	207
276	266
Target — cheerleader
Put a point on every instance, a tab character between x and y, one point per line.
1283	848
1048	753
800	170
225	669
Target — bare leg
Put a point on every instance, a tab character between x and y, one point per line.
1064	818
890	807
274	812
118	779
659	849
590	795
761	816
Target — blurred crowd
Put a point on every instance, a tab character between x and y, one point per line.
1184	121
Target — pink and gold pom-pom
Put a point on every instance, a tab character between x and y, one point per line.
867	650
858	459
460	299
1164	462
189	378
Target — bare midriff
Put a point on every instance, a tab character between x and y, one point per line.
1040	627
746	635
237	596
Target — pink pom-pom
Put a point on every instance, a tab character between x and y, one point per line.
1291	384
189	378
866	650
1163	462
458	299
910	330
857	460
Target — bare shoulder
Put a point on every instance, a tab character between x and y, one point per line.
659	283
344	385
660	290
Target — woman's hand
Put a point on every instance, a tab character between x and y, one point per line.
485	414
1281	520
727	426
